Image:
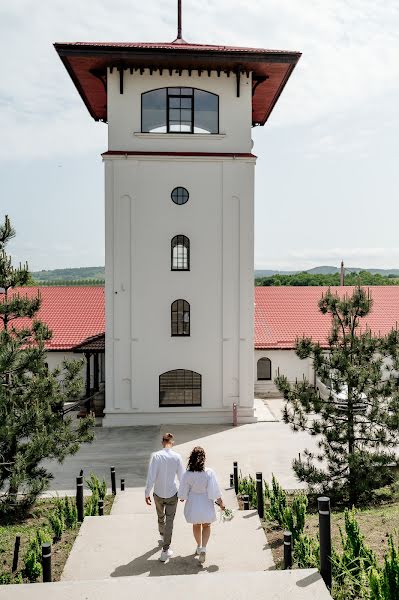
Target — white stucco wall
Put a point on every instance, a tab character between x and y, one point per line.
140	286
141	221
289	365
124	113
55	359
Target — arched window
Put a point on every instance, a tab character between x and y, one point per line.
180	388
264	369
179	110
180	253
180	318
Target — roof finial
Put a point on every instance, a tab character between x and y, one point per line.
179	39
179	28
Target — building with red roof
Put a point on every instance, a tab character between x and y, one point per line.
76	316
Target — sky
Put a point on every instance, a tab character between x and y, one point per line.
327	174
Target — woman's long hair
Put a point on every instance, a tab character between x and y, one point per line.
196	462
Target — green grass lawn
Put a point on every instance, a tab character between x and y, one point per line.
26	529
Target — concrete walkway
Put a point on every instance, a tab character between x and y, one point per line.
275	585
268	446
126	543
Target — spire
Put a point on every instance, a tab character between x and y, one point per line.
179	39
342	277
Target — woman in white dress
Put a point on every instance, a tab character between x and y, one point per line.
200	489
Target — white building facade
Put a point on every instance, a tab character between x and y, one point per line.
179	204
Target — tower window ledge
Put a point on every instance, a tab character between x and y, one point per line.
180	136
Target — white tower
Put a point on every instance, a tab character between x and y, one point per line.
179	202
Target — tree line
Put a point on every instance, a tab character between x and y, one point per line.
311	279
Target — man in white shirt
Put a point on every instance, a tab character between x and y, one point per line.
164	466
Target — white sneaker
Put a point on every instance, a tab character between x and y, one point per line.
165	555
197	550
202	555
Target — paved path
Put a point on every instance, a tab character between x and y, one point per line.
275	585
268	446
126	543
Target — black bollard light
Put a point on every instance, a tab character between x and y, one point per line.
79	499
287	549
231	480
16	553
46	563
101	508
122	485
259	495
245	500
325	539
235	475
113	481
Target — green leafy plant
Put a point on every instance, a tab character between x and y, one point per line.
277	503
97	486
307	552
5	578
33	557
384	581
70	513
247	487
57	524
98	492
294	516
352	567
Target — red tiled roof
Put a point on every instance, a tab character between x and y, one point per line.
181	47
284	313
72	313
87	63
76	315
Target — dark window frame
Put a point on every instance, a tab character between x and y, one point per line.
180	187
177	327
187	374
167	108
186	244
263	360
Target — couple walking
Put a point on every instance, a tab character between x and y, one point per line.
198	488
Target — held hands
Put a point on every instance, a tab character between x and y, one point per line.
148	501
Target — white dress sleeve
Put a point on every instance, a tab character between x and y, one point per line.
184	487
213	487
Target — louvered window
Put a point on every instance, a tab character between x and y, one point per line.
180	388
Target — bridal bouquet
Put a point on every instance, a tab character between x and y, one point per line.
226	515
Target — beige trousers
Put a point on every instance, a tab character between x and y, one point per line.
166	511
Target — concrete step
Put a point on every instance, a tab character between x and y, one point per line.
127	545
271	585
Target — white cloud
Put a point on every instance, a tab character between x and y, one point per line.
350	51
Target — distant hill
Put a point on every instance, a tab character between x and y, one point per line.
96	275
77	276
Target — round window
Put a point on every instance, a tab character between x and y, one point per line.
180	195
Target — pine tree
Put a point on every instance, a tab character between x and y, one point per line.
32	427
357	431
